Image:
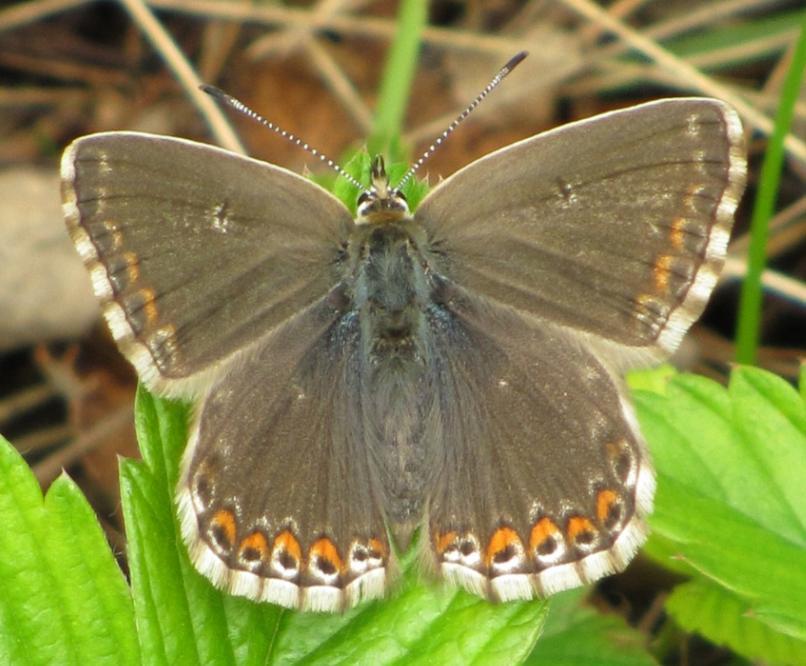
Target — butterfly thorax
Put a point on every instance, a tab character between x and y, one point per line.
390	289
388	276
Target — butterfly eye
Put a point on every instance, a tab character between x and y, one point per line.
363	197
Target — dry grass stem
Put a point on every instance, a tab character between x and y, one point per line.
786	231
708	14
25	400
620	9
184	72
292	37
33	96
745	51
772	281
43	439
340	84
54	69
688	75
24	13
52	466
364	26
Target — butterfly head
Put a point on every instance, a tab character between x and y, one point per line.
381	203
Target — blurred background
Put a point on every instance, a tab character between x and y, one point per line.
72	67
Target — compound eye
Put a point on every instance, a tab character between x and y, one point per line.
363	197
401	196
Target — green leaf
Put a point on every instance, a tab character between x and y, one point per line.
575	634
183	619
655	379
730	503
64	599
700	606
358	166
180	617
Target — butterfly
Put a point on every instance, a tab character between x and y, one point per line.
452	371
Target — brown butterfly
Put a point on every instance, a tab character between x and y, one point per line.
453	370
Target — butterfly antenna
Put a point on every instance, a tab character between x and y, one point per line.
512	63
239	106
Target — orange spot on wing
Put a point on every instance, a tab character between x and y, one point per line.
376	548
502	538
605	501
445	541
678	234
544	529
224	522
286	542
132	265
577	526
149	304
661	271
325	549
257	543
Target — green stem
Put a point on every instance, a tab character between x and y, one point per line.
398	75
750	302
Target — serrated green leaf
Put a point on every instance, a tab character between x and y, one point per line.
181	618
771	416
692	422
161	427
700	606
576	634
64	599
730	503
358	166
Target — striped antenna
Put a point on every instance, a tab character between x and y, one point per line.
230	101
512	63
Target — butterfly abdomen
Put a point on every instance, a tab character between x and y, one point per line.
392	299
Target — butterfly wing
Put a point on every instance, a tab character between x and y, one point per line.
564	258
544	479
296	521
616	226
193	251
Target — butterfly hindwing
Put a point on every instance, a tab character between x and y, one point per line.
543	480
277	497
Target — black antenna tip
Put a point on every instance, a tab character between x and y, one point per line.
513	62
212	91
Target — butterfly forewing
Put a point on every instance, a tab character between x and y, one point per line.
193	251
616	226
